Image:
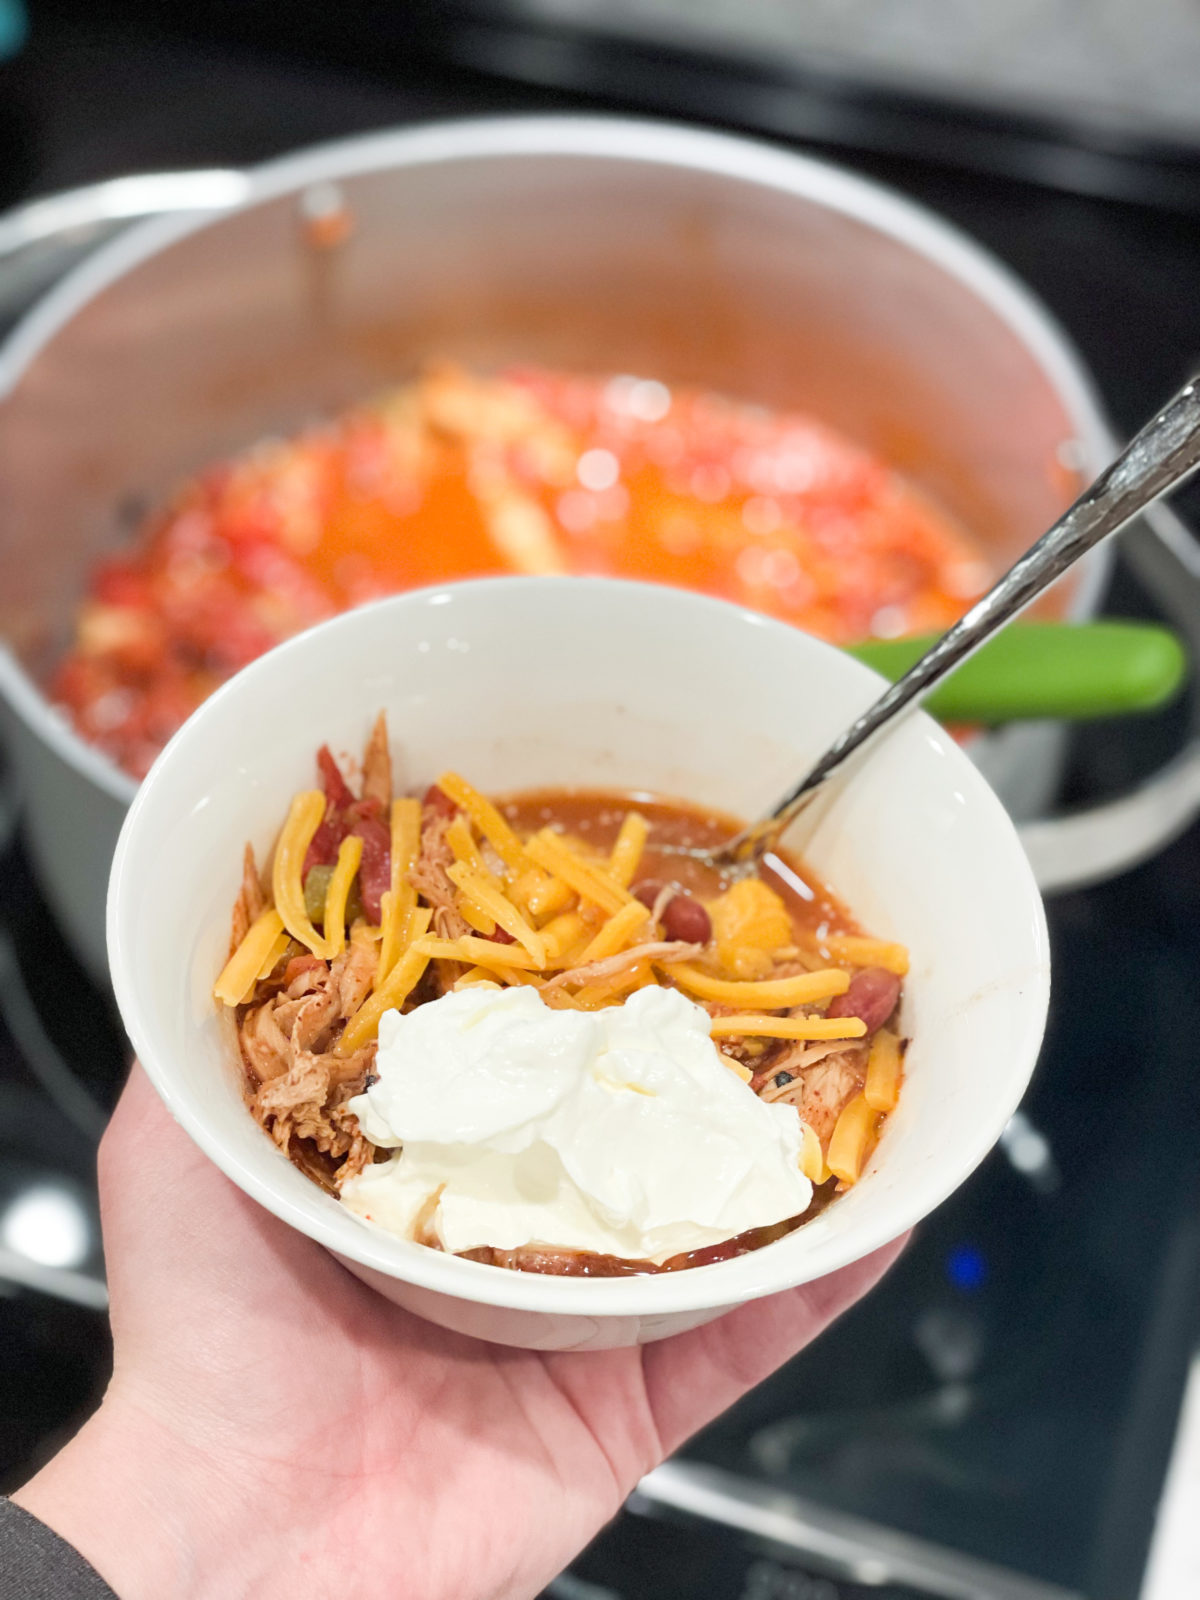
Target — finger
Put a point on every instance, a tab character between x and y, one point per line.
693	1377
149	1171
164	1202
140	1113
143	1145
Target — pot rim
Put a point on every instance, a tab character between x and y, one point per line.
564	136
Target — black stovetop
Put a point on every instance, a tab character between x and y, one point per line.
1011	1392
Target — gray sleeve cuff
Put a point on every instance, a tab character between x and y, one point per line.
35	1564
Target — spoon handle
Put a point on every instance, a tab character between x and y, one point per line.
1158	459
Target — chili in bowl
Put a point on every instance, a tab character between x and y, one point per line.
452	1012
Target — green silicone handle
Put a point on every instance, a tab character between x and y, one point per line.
1047	669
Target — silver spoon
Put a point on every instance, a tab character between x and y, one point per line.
1157	460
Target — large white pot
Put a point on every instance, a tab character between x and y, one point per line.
595	243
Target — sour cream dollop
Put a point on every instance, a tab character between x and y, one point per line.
619	1131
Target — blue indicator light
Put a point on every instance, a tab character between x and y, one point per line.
966	1268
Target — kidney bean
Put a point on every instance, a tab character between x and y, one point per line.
682	917
648	891
501	936
686	919
872	995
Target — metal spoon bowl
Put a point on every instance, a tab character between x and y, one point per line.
1157	460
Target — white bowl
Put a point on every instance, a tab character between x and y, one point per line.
529	682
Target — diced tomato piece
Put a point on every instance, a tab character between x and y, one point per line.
337	791
323	848
438	800
365	818
340	805
118	583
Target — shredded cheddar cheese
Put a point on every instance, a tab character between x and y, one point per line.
461	840
522	885
602	991
627	851
857	951
474	917
395	990
485	817
391	918
478	975
851	1140
274	955
788	1027
805	989
616	933
401	897
287	875
241	972
750	913
477	952
334	921
405	842
483	891
812	1157
565	934
884	1071
589	880
548	895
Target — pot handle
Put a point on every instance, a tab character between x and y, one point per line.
42	239
118	200
1085	847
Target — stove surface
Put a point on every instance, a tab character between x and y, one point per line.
1009	1395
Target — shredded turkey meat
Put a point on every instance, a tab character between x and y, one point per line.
798	1059
593	971
822	1090
430	879
377	765
298	1084
250	900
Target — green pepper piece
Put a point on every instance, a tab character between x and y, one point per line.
316	887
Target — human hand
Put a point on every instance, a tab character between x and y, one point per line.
275	1428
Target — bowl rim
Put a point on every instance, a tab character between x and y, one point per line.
568	136
695	1289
